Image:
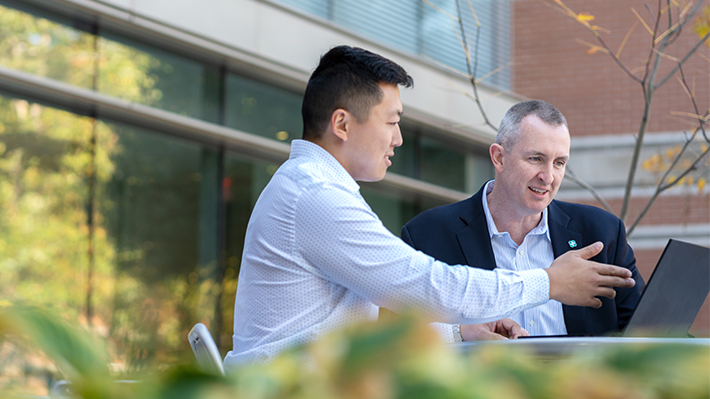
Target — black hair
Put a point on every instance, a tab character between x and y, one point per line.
347	78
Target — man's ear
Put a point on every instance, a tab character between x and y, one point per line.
339	122
497	153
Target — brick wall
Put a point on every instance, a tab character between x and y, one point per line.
595	95
665	210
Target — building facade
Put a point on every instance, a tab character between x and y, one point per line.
136	136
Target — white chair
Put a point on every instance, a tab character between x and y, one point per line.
205	349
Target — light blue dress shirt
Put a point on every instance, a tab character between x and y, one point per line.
316	258
534	253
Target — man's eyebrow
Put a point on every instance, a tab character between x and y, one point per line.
542	154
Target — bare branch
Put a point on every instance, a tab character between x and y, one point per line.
626	38
661	188
645	25
683	60
617	60
648	91
701	120
472	66
573	178
439	9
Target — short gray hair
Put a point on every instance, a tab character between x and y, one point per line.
509	130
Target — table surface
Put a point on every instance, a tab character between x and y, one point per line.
564	345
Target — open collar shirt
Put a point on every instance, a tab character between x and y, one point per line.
534	253
316	258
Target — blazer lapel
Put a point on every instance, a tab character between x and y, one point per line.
563	239
473	239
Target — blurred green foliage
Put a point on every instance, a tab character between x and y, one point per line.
398	359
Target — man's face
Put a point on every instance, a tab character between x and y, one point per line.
532	169
372	143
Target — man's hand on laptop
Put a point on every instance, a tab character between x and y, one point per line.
574	280
495	330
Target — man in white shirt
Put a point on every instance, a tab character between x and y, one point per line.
316	258
514	222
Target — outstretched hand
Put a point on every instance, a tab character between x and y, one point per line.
575	280
495	330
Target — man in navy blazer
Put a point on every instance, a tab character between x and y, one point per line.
521	226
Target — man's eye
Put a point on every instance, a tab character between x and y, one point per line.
535	159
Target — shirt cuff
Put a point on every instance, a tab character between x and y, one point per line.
536	289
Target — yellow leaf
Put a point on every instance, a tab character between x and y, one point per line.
584	17
703	147
701	184
672	179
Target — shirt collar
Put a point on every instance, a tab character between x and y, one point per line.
325	161
541	228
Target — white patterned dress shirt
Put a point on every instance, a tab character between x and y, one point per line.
316	258
534	253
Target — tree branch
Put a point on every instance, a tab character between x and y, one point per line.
661	188
682	61
573	177
472	68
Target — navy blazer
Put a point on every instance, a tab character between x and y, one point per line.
458	235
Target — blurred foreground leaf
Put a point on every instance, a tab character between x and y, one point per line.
398	359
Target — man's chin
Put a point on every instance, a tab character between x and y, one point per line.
372	178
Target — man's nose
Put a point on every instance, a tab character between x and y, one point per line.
546	174
397	140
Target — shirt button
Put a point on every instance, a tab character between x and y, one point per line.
521	252
531	322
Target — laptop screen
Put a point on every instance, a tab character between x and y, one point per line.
675	292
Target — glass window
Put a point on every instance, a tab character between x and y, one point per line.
393	209
424	157
45	47
123	68
417	27
265	110
43	197
443	164
405	157
160	230
143	192
393	22
244	179
135	72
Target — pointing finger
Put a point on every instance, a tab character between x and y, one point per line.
590	250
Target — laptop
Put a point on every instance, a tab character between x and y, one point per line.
673	295
675	292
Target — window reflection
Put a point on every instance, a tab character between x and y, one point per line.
394	210
46	47
443	164
134	72
265	110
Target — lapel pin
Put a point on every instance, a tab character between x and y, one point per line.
572	243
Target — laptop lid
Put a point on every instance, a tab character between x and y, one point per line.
674	293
